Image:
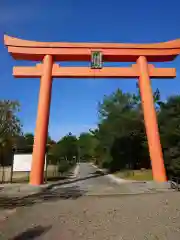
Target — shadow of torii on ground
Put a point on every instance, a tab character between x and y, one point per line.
50	193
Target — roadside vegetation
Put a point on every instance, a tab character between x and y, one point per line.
138	175
118	144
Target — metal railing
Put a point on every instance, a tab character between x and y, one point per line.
175	183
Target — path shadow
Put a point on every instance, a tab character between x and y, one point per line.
91	175
72	192
99	172
32	233
54	192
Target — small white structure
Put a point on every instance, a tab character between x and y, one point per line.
22	162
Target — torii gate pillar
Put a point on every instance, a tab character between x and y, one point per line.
39	147
150	121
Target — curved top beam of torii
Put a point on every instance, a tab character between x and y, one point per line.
112	52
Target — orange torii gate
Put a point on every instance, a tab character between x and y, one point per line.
50	52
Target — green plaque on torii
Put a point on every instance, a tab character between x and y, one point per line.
96	60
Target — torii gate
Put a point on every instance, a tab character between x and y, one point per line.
50	52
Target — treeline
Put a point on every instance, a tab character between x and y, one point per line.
119	141
121	138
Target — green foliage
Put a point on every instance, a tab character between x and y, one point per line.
122	142
169	124
10	125
63	166
64	153
29	139
139	175
121	133
118	143
86	145
68	147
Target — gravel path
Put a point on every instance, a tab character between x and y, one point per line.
155	216
75	216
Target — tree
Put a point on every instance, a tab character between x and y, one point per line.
26	142
121	133
29	139
86	145
169	124
50	141
69	147
64	153
156	97
66	148
10	125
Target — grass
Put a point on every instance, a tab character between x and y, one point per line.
139	175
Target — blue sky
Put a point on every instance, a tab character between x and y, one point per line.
74	101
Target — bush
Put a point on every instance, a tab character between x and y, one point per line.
64	166
106	162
